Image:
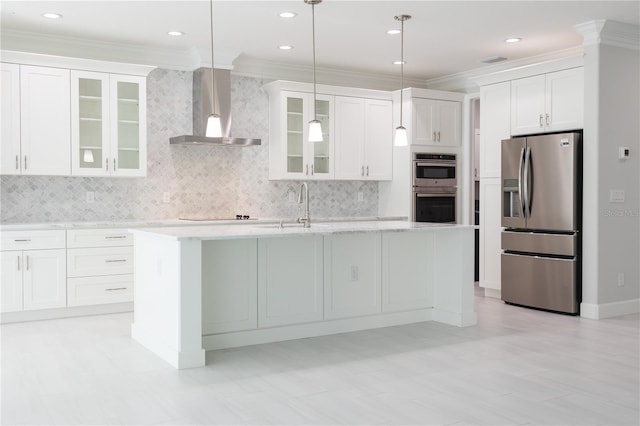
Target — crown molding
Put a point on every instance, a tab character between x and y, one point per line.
469	81
610	33
54	45
270	70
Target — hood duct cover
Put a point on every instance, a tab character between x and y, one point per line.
202	109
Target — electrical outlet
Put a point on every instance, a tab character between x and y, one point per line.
292	197
91	196
360	196
354	273
166	197
620	279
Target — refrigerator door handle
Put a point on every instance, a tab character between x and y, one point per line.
526	183
520	193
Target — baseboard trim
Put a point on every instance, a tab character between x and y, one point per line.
75	311
298	331
609	310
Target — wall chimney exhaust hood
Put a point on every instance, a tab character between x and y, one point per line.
202	109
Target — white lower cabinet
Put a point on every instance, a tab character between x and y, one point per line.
352	275
229	286
407	265
99	266
33	270
33	279
290	280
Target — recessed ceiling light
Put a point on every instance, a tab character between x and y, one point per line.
513	40
288	14
52	15
393	32
399	62
285	47
175	33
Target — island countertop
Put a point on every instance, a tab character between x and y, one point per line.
262	230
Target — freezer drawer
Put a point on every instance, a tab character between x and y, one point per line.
540	242
540	282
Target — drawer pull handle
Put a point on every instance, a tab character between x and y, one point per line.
116	289
115	237
115	260
26	240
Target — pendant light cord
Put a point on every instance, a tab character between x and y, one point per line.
213	67
313	37
401	66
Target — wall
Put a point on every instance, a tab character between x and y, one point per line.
202	181
611	230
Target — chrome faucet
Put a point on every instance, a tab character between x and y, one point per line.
306	220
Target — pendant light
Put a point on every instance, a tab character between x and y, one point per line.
214	127
315	128
401	132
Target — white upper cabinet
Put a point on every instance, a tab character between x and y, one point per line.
363	138
548	102
10	157
45	121
291	155
436	122
108	113
357	131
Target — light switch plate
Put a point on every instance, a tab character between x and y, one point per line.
616	195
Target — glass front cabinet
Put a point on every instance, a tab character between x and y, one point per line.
108	115
292	156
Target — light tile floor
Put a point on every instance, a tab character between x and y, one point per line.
516	367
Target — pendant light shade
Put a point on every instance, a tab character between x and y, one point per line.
315	131
315	128
401	138
87	156
214	127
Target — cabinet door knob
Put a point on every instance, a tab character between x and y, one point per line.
362	171
307	170
17	163
27	265
114	164
438	135
311	169
367	170
18	257
106	164
540	120
434	136
25	162
547	119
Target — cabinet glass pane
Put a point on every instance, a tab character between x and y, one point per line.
91	122
295	127
128	125
321	149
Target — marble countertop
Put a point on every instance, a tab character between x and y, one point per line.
158	223
262	230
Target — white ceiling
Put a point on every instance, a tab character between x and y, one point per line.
442	38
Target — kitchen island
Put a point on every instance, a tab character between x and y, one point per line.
200	288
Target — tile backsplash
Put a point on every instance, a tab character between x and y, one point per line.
201	180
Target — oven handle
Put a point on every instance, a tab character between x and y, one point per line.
443	194
436	163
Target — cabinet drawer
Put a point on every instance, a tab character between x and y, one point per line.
88	262
33	240
98	238
99	290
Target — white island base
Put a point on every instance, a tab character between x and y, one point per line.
213	287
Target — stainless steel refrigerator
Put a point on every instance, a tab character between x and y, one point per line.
542	216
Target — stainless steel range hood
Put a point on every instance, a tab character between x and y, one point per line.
202	109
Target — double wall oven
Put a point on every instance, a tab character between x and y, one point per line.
434	188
